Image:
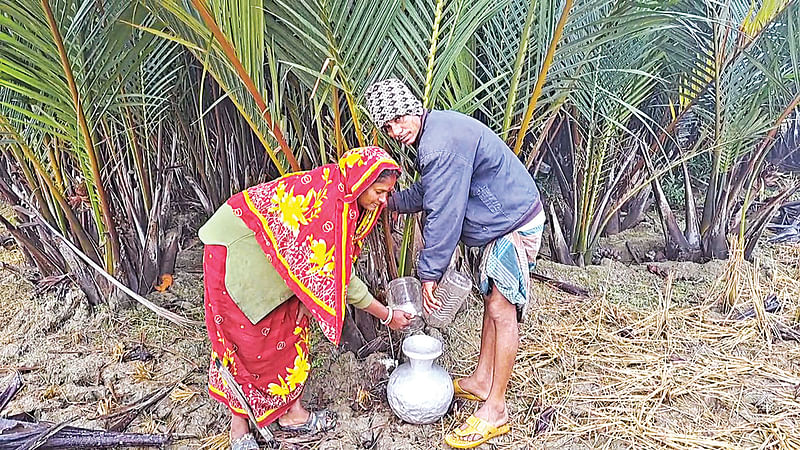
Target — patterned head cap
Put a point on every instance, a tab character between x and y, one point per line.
389	99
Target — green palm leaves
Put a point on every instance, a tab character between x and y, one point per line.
62	67
344	44
83	99
95	96
737	71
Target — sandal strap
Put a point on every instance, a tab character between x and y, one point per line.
476	426
244	442
324	420
459	438
318	421
313	422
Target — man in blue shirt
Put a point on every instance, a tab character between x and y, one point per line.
473	189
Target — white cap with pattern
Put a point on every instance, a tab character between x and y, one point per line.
389	99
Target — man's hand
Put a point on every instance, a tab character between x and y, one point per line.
302	311
400	320
429	303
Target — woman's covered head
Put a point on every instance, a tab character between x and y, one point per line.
377	194
369	176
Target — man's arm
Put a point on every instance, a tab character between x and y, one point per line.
445	182
408	200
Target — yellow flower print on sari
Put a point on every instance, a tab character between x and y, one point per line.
295	210
300	209
280	390
350	159
296	375
299	373
321	257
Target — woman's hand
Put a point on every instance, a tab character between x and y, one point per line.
302	311
400	320
429	302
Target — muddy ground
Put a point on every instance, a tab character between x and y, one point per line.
84	364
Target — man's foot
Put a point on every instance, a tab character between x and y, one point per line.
486	423
471	387
475	432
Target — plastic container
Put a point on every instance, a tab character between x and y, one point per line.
405	294
451	292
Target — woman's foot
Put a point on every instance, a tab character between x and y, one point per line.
244	442
239	427
295	415
317	422
298	420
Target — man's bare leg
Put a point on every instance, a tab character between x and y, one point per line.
503	315
480	382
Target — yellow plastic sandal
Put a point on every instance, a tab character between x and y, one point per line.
475	426
460	392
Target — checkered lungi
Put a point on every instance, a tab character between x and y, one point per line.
507	261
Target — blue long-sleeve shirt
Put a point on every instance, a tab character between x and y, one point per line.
472	188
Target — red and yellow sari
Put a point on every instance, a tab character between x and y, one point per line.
309	227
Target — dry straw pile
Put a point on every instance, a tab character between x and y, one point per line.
592	373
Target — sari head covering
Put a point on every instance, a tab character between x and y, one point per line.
308	225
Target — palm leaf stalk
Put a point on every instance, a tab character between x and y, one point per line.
144	179
106	223
58	176
230	53
434	41
537	90
341	146
713	194
516	72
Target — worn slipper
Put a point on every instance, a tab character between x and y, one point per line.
318	422
458	438
244	442
460	392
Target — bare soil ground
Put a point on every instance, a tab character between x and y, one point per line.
639	364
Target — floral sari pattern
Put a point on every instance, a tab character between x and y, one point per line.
308	226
